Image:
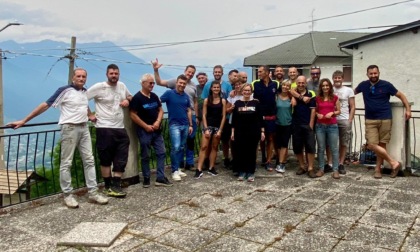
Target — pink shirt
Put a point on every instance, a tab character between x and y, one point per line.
325	107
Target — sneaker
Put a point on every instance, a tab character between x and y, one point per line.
105	191
213	171
226	163
182	174
341	169
198	174
268	168
336	175
163	182
70	201
96	197
146	182
116	192
251	178
281	168
328	168
176	176
301	171
320	173
241	177
311	174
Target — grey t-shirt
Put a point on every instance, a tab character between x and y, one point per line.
313	85
190	90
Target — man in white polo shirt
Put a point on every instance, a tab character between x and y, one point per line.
73	104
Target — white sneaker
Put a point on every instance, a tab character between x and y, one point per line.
281	168
98	198
70	201
182	174
176	176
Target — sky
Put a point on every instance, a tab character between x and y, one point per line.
134	23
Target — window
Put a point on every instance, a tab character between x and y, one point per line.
347	73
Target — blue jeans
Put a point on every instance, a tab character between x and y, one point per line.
155	140
189	148
327	134
178	135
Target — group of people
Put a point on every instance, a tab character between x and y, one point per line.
240	115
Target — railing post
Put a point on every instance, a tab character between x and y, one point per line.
131	174
400	137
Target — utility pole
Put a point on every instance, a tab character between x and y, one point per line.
2	165
71	56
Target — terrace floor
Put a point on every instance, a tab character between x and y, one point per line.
274	213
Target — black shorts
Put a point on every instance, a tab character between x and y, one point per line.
269	126
283	134
303	136
227	131
112	145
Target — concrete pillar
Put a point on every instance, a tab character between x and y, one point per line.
399	147
131	175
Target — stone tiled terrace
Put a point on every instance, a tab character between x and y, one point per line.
274	213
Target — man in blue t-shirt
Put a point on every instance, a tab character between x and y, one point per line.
147	113
378	117
180	123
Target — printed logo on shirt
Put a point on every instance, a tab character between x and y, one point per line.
242	109
152	105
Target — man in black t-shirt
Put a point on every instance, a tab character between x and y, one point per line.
147	113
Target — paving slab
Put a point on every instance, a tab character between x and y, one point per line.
154	246
232	244
93	234
348	213
188	238
389	220
299	240
300	205
326	226
376	237
152	227
345	246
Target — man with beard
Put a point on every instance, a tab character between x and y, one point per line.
226	89
279	74
233	77
202	80
313	82
112	140
378	117
191	91
180	123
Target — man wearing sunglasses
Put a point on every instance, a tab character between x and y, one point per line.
313	82
378	115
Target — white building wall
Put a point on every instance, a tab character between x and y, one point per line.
330	65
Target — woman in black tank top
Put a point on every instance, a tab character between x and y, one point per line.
214	113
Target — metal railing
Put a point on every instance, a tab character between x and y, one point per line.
32	157
32	160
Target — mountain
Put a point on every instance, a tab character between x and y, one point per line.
31	78
33	71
